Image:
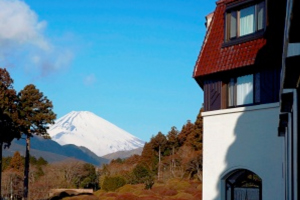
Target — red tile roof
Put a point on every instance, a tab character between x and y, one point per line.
214	58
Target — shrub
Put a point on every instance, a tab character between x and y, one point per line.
142	174
126	189
113	183
176	184
127	196
183	195
168	192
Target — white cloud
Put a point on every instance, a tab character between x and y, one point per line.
90	79
22	40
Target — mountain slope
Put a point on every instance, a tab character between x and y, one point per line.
88	130
123	154
54	152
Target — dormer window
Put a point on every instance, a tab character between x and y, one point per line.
244	20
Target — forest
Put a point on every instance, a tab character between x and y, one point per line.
175	155
166	160
174	158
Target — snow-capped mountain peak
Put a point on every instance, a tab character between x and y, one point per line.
84	128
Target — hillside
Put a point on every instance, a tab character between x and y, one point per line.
54	152
123	154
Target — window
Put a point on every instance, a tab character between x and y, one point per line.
244	90
243	184
244	20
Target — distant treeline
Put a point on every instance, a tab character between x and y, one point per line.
175	155
44	176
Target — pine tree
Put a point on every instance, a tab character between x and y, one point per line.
8	113
173	143
16	162
148	157
35	115
159	143
8	110
195	137
185	131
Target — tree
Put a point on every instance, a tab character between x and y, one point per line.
8	113
112	183
89	179
142	174
148	156
185	131
16	162
195	137
159	142
35	115
173	143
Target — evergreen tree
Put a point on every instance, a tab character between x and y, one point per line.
35	115
8	113
185	131
195	137
16	162
173	143
148	157
89	179
41	161
159	143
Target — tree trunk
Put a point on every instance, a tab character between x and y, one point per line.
26	170
199	174
1	144
159	172
173	159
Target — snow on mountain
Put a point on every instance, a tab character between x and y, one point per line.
86	129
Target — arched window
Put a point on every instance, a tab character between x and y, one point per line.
243	185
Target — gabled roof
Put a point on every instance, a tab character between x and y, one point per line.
214	58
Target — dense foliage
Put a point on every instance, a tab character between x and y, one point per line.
175	155
28	112
13	168
113	182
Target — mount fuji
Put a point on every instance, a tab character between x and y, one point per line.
83	128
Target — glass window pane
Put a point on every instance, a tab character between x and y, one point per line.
247	20
243	185
231	93
233	25
244	90
257	87
260	15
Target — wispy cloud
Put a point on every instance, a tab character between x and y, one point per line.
89	80
23	43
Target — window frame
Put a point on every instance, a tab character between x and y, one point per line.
236	7
255	87
239	176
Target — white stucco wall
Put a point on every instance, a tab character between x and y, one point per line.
246	138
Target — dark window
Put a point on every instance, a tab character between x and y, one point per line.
243	184
244	20
244	90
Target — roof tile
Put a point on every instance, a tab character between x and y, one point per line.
214	58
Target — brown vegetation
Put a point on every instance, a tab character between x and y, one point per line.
173	189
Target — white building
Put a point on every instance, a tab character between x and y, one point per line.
239	69
289	100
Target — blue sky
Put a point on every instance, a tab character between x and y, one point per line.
128	61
